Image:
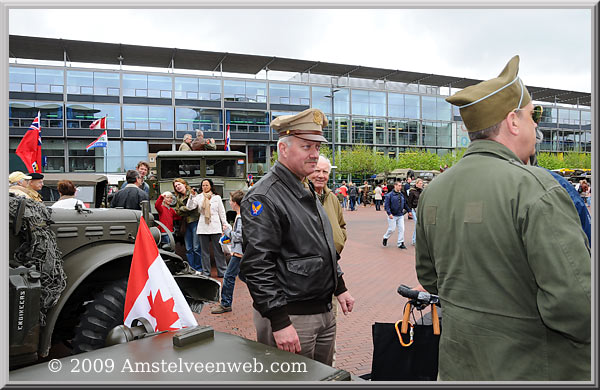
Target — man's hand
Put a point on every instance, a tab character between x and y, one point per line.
390	216
346	302
287	339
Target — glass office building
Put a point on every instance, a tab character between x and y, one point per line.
150	111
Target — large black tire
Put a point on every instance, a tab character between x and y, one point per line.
102	314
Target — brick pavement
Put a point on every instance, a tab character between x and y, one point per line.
372	275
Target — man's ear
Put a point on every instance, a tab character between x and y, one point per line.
512	123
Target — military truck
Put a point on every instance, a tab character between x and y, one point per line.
227	170
68	272
92	188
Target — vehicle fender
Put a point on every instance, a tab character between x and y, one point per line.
78	266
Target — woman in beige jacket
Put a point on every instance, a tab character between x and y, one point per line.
210	225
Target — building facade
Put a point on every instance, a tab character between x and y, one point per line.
149	111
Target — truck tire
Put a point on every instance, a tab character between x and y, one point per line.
102	314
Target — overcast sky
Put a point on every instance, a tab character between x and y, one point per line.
554	44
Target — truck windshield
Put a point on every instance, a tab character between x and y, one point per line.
225	168
171	169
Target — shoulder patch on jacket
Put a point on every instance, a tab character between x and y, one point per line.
257	208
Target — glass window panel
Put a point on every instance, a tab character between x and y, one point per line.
56	89
21	75
133	152
81	160
377	103
396	105
113	156
28	87
49	76
190	119
162	83
444	110
429	107
411	106
210	89
248	121
256	92
87	90
106	80
79	79
319	100
135	117
184	85
161	117
379	131
44	88
135	84
299	94
360	102
279	93
563	116
362	131
234	90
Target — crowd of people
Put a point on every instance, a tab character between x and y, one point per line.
511	265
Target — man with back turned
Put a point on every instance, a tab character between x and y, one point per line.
500	242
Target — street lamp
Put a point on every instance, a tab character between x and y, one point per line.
332	97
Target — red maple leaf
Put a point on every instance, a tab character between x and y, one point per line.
163	312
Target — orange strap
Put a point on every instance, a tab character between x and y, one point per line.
435	319
400	335
405	322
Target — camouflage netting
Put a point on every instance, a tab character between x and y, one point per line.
38	248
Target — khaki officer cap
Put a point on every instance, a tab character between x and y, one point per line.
17	176
307	125
487	103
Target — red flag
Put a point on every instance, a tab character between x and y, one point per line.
30	147
152	292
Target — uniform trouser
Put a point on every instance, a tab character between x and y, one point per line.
397	221
193	251
205	241
315	331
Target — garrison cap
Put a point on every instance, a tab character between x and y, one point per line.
487	103
307	125
17	176
36	176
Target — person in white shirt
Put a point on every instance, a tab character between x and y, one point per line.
67	199
210	225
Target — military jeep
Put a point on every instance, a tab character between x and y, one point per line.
68	272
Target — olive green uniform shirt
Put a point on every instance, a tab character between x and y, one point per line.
501	244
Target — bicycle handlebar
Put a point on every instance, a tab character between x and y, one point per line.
418	298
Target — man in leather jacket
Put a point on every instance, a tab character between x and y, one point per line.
290	262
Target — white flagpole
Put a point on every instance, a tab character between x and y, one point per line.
106	148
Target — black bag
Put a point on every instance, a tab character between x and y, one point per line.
394	362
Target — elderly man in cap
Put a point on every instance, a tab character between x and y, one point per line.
500	242
18	184
290	261
35	185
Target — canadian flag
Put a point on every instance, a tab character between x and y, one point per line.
98	124
152	292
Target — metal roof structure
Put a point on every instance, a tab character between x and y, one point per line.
115	54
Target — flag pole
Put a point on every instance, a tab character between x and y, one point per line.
106	148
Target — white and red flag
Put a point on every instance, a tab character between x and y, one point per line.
102	140
98	124
152	292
